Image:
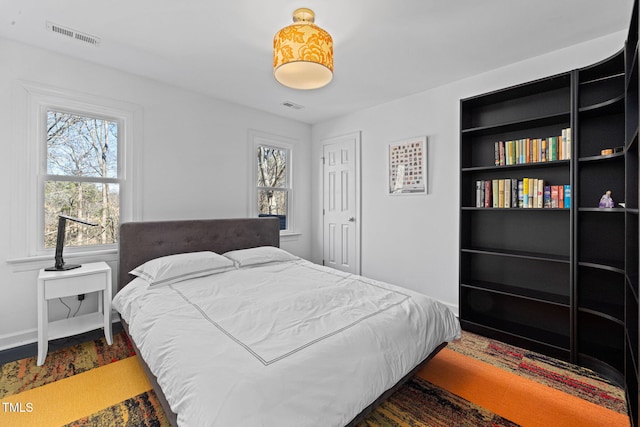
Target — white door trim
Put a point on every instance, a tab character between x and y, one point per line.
356	137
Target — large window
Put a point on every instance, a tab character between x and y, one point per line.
75	154
273	191
81	178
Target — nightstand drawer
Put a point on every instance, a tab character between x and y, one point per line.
74	285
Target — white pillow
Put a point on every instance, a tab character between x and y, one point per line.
175	268
259	255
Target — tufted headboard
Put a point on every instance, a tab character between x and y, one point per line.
140	242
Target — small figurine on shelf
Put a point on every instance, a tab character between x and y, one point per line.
606	201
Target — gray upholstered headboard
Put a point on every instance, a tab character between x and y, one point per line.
141	241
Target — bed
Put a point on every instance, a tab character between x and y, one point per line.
269	339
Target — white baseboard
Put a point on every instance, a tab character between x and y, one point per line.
30	336
18	339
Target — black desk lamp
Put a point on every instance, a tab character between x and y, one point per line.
62	223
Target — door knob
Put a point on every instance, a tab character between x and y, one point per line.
352	219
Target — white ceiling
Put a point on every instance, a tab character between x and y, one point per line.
383	50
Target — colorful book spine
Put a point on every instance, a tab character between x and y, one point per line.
525	192
547	197
487	194
561	196
507	193
567	196
566	133
554	196
533	150
521	194
496	193
540	196
479	194
553	148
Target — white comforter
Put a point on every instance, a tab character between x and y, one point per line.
284	344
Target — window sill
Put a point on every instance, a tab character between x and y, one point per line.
41	261
287	236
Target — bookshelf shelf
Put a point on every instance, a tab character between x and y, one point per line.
603	210
603	265
472	208
563	282
532	122
610	106
600	312
520	292
552	164
519	254
602	158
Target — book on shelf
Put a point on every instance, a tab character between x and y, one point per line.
525	193
553	148
533	150
507	193
546	197
554	196
521	194
566	141
487	194
567	196
540	195
533	192
561	196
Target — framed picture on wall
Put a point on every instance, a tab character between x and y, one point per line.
408	166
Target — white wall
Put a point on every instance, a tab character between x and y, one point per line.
413	240
195	164
195	145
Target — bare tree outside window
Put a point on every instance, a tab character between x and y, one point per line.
81	178
273	185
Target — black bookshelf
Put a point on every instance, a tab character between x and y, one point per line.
631	220
599	238
561	281
515	263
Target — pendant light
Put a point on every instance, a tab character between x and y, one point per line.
303	53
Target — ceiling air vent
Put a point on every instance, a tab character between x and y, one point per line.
77	35
293	105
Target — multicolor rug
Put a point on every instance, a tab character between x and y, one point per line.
472	382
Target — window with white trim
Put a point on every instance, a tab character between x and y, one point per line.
81	177
82	154
273	191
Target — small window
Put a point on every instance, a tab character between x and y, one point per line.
81	178
273	187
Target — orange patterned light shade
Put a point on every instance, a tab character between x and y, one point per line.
303	53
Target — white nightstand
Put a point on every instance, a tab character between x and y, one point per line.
91	277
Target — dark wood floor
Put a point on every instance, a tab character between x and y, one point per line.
30	350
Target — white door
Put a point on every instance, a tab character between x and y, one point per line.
341	202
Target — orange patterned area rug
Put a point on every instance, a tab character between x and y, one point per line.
90	375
